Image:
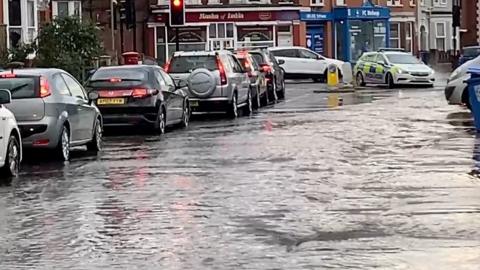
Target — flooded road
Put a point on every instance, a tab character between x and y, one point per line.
377	179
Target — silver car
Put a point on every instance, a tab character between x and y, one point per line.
53	110
216	81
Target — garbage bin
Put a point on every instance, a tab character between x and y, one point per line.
474	93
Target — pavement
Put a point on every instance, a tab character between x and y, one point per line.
376	179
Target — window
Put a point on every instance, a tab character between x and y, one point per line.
221	30
409	37
340	2
395	35
168	79
394	3
75	88
22	21
159	78
185	64
20	87
237	67
66	8
317	2
380	59
422	2
413	3
285	53
439	3
440	36
307	54
59	85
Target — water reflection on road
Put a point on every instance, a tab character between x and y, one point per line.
383	179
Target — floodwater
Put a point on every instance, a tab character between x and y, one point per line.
383	179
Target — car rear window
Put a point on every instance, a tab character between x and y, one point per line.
186	64
259	58
20	87
123	77
471	52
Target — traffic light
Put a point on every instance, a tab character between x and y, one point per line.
128	13
177	12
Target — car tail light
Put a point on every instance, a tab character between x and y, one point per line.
41	142
143	93
266	68
167	66
221	69
44	88
115	80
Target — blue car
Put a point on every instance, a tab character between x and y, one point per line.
468	53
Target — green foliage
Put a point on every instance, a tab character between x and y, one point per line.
69	44
20	53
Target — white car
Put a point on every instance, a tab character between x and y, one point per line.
456	91
10	140
302	63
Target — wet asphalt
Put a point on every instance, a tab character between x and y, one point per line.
377	179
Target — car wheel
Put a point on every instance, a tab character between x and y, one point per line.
96	144
63	147
12	160
360	79
273	93
281	93
233	110
389	81
249	106
466	99
264	99
257	103
186	115
161	122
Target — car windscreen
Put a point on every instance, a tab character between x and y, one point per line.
402	59
20	87
120	77
186	64
258	57
471	52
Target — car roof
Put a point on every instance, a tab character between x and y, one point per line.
471	47
286	48
201	53
127	67
34	71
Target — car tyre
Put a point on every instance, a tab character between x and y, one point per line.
63	147
249	104
233	108
273	93
389	81
360	79
281	93
466	99
264	99
95	145
257	102
161	122
186	115
12	161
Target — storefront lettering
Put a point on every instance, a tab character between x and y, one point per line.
221	16
370	13
209	16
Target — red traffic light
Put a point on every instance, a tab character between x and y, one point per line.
177	12
177	3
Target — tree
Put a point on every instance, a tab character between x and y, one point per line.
69	44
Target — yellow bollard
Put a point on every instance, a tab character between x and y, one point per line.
332	76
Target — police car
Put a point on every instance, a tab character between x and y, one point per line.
392	67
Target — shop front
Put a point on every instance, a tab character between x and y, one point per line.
220	30
345	33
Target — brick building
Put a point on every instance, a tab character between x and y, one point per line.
470	23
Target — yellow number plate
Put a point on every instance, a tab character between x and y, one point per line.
111	101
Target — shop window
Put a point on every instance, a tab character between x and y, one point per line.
366	36
340	2
317	2
395	35
284	35
66	8
221	30
440	36
255	36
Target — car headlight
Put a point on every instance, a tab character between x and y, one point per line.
401	71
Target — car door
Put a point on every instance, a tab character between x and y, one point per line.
241	79
67	103
380	68
291	58
311	62
168	96
278	71
176	96
370	67
85	110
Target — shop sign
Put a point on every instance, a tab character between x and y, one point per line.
316	16
235	16
368	13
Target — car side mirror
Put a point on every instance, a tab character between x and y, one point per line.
5	96
181	84
281	61
92	96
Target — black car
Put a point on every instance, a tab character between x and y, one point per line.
139	95
273	72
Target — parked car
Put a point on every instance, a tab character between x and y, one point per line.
273	72
258	81
10	140
468	53
139	95
302	63
216	81
53	110
456	91
392	68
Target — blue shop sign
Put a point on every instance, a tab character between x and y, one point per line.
316	16
366	12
